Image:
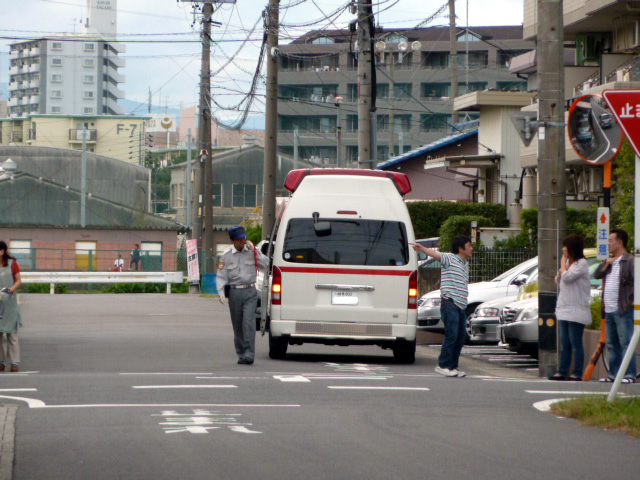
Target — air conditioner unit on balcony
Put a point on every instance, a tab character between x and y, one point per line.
626	34
589	47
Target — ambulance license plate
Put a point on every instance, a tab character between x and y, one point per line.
344	298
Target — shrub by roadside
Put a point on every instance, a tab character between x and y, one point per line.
622	414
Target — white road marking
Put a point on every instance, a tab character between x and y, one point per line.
335	387
291	378
31	402
562	392
18	389
165	373
533	380
183	386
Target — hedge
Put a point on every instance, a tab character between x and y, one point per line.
580	221
458	225
428	217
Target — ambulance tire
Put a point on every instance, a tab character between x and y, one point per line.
405	352
277	347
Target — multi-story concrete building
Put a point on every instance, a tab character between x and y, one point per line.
67	74
115	136
318	88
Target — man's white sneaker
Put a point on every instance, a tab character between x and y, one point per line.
446	372
459	373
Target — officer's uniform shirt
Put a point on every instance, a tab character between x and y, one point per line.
238	267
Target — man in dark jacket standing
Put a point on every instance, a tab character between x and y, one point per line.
618	304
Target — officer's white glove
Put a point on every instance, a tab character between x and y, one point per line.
249	246
223	299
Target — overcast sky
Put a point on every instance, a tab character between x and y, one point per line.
171	70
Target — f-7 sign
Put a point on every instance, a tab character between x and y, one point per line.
625	106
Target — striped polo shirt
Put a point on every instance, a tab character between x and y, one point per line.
454	280
612	288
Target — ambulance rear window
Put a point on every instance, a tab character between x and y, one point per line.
349	242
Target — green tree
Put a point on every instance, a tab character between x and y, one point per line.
622	205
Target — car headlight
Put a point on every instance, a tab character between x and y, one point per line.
487	312
431	302
528	313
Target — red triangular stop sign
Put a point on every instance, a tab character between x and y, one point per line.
625	106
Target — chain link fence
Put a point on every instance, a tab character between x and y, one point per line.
486	264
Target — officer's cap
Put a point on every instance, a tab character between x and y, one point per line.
237	233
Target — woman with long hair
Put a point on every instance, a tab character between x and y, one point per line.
10	319
573	309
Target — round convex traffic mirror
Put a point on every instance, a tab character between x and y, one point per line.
593	130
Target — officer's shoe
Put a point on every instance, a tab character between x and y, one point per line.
245	361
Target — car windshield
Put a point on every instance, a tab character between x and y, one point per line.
349	242
508	273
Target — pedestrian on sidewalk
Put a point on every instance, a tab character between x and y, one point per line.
10	319
618	272
119	264
237	270
135	257
573	308
454	291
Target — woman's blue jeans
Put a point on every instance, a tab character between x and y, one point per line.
619	333
571	338
455	334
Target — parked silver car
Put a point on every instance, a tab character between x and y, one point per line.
519	326
503	285
482	325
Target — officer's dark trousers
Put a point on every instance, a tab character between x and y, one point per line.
242	305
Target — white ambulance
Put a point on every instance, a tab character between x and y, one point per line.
342	271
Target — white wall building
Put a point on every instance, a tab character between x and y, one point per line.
70	74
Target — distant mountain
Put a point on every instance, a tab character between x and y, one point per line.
142	108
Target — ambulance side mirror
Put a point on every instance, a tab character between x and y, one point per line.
264	249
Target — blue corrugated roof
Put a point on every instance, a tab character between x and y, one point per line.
442	142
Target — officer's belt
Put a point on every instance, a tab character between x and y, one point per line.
249	285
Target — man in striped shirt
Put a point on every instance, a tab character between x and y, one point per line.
618	272
454	290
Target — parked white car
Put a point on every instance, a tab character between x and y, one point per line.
503	285
483	324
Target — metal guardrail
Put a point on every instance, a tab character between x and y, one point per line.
102	277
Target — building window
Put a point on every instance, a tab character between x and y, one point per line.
244	195
56	62
435	122
89	47
89	62
56	78
57	94
217	194
323	41
435	91
472	87
468	37
88	79
87	110
402	123
56	45
88	95
56	110
522	86
435	60
403	91
395	38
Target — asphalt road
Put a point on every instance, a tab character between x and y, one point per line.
146	387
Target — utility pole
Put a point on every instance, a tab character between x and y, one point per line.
453	67
203	214
392	105
187	183
551	171
272	19
365	59
83	180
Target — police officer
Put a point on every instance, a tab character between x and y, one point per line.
238	268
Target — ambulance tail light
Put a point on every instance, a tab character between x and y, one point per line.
413	291
276	286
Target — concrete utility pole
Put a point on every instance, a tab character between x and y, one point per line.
187	183
203	214
365	59
271	130
453	67
83	180
552	178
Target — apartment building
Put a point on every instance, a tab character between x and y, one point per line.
70	74
318	90
115	136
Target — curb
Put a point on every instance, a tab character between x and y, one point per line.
7	440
